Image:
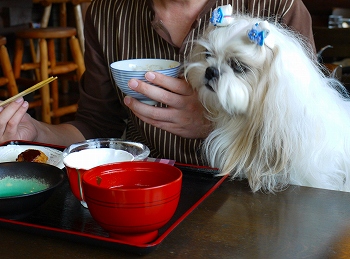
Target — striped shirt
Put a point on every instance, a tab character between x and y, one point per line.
126	29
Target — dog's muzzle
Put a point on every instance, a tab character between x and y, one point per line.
211	74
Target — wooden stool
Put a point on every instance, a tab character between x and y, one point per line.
48	65
79	6
8	77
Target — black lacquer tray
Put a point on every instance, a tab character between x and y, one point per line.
63	216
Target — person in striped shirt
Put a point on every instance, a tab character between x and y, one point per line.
128	29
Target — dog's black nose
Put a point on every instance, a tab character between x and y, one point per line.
211	72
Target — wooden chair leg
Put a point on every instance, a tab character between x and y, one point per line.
51	53
7	70
45	90
77	56
55	97
18	56
80	25
46	16
35	58
54	85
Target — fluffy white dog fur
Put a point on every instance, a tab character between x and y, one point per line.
278	120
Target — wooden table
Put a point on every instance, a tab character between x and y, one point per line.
231	223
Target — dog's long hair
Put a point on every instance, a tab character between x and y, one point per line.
278	120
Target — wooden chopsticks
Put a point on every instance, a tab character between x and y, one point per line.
29	90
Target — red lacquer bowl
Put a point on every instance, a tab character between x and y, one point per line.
132	200
85	155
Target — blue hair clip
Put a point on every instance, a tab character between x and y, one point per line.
216	17
222	16
258	34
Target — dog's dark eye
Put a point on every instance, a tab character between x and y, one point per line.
237	66
207	54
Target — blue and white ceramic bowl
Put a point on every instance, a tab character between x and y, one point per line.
124	70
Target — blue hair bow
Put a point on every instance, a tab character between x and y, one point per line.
258	34
221	16
217	16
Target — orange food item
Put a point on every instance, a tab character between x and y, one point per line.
32	155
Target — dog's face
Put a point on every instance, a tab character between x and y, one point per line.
225	67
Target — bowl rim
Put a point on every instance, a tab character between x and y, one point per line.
61	175
145	70
92	171
128	156
143	155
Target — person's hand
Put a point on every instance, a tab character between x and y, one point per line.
184	115
15	123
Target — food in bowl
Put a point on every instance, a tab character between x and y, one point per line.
133	200
146	64
89	158
32	155
85	155
13	186
25	186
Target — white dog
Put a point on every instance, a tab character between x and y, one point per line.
278	120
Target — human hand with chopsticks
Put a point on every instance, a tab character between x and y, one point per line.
17	124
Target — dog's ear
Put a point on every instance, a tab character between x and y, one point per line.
292	57
288	73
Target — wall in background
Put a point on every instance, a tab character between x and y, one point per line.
321	9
